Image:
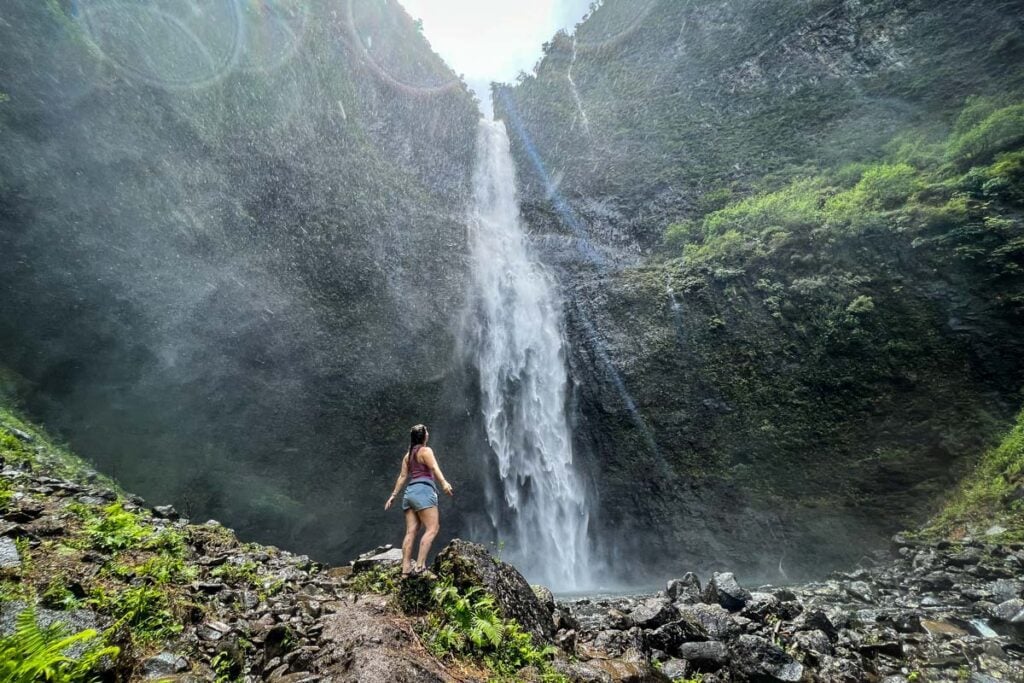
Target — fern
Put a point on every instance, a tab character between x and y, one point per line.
35	654
468	625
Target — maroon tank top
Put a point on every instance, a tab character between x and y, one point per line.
417	470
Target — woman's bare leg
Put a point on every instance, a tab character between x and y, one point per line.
412	525
430	520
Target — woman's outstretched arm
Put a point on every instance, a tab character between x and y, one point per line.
426	456
399	483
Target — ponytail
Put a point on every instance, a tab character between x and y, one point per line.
417	437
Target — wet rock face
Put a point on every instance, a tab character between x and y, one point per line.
469	565
928	608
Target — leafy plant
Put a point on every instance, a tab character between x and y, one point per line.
32	654
144	609
468	625
115	529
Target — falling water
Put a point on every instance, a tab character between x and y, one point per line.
541	509
575	92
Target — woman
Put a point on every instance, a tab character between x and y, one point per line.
420	467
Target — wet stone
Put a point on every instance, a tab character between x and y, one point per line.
9	557
653	612
687	589
708	655
723	589
1010	611
164	664
758	659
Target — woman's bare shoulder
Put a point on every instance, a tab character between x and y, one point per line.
427	450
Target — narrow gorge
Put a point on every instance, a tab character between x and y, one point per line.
714	314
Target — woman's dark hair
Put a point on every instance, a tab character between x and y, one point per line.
417	437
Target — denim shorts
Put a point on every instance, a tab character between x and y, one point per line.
419	495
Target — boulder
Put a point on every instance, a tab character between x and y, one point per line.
686	589
714	619
724	590
391	557
761	606
469	564
708	655
756	658
1005	589
1010	611
815	619
670	636
653	612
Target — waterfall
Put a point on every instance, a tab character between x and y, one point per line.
540	511
575	92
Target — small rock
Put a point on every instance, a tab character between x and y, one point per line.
166	512
567	640
813	642
861	591
9	557
724	590
675	669
942	629
164	664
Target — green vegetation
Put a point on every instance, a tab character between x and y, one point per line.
380	580
33	654
248	573
462	625
936	201
991	495
467	624
114	529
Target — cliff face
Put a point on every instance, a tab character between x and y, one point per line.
652	105
233	250
791	329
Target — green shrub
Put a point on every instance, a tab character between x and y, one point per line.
114	528
977	139
143	609
468	625
794	207
881	188
32	654
985	497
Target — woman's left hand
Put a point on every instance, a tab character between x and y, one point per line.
391	499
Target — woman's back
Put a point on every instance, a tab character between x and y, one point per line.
418	470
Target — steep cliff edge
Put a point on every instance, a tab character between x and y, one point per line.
790	246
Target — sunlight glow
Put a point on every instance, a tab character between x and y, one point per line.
492	40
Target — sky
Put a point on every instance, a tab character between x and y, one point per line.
492	40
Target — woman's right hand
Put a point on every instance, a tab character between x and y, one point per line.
447	488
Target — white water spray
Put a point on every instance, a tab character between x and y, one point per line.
576	93
518	337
